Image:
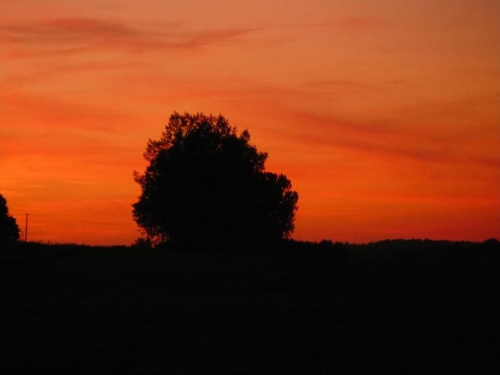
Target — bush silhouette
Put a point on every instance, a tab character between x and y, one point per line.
9	230
205	184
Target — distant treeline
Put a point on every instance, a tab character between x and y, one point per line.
291	246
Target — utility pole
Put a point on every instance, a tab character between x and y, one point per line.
26	230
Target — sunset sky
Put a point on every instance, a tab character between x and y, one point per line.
385	115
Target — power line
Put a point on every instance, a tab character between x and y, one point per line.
65	219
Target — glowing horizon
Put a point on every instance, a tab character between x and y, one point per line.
385	117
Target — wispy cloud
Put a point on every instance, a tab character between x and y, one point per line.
353	23
396	142
57	113
64	29
340	84
358	23
372	138
78	35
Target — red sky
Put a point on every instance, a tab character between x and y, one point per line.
384	114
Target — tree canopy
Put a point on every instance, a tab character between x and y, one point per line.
205	183
9	230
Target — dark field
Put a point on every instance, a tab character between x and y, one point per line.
394	307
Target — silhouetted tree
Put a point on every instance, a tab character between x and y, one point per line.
9	231
207	184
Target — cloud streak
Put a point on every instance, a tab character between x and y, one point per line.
59	114
79	35
357	23
340	84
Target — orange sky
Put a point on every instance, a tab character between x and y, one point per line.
385	115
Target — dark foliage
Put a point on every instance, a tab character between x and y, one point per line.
9	230
205	184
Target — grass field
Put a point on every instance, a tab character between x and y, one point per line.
393	307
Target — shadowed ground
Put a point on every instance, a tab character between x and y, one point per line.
395	307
